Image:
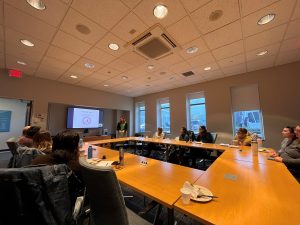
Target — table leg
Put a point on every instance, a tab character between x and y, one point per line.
170	216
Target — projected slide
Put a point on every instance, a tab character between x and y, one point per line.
83	118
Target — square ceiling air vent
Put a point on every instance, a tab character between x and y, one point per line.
154	43
188	73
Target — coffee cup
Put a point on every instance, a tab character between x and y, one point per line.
185	195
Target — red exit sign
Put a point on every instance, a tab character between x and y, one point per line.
15	73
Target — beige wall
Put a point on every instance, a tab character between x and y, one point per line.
279	101
43	91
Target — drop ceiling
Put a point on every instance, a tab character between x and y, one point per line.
227	45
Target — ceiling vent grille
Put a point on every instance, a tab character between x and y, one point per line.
155	43
188	73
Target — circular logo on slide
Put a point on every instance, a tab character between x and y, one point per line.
86	120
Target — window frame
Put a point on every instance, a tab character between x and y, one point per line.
159	113
138	116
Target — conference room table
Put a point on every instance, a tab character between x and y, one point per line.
250	188
155	179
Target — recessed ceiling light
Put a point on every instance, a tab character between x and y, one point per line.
266	19
160	11
73	76
262	53
150	67
192	50
124	77
37	4
105	85
207	68
27	43
113	46
22	63
89	65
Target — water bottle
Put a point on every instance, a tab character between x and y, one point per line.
121	156
90	152
254	148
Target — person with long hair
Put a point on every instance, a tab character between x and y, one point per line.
43	141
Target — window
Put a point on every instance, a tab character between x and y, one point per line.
246	109
140	117
163	114
196	112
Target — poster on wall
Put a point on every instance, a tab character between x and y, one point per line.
5	118
39	119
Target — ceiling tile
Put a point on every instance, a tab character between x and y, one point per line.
108	39
120	65
216	74
128	24
49	72
133	59
107	13
27	24
233	70
99	56
290	44
225	35
200	69
74	20
199	43
250	6
55	63
180	67
262	63
296	13
201	59
272	50
293	29
192	5
288	57
1	46
67	79
88	82
14	46
79	67
282	11
62	55
230	13
229	50
131	3
54	13
170	59
145	11
183	31
97	77
231	61
108	71
70	43
265	38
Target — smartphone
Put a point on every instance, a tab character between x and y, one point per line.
271	158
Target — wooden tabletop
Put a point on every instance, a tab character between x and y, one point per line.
158	180
249	193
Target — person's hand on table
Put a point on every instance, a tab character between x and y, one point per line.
273	153
278	159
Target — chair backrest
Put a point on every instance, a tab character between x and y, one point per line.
214	136
35	196
12	144
106	199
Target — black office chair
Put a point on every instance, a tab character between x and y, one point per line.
12	145
36	196
214	136
106	199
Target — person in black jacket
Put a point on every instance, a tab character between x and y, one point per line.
204	136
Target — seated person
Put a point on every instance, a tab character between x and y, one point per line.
289	136
204	136
159	134
43	141
152	148
65	150
27	135
184	136
290	155
243	137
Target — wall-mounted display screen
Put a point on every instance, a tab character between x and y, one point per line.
84	117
